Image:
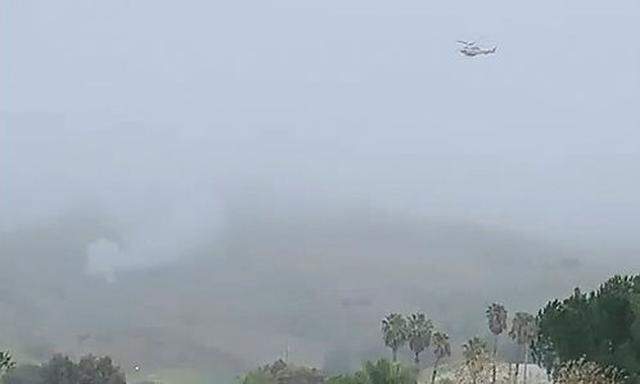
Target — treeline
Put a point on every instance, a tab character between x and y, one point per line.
587	338
600	327
61	369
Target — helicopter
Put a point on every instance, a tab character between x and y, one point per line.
470	49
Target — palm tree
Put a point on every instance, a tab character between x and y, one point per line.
394	332
497	318
6	362
420	329
476	356
523	331
441	349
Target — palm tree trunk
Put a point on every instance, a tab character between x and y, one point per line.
435	370
495	353
416	358
526	359
395	354
515	376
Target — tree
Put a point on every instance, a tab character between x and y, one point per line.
6	362
346	379
89	370
523	332
394	332
94	370
603	326
381	372
419	336
441	349
476	360
23	374
59	370
282	373
385	372
497	318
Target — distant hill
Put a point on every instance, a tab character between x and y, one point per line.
315	281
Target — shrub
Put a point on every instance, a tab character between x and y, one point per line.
582	371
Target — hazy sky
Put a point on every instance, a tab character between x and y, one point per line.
139	105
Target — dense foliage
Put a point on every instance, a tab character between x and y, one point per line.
381	372
602	326
62	370
582	371
283	373
24	374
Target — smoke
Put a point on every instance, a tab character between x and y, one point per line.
157	232
159	199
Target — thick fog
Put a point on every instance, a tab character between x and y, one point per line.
196	185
